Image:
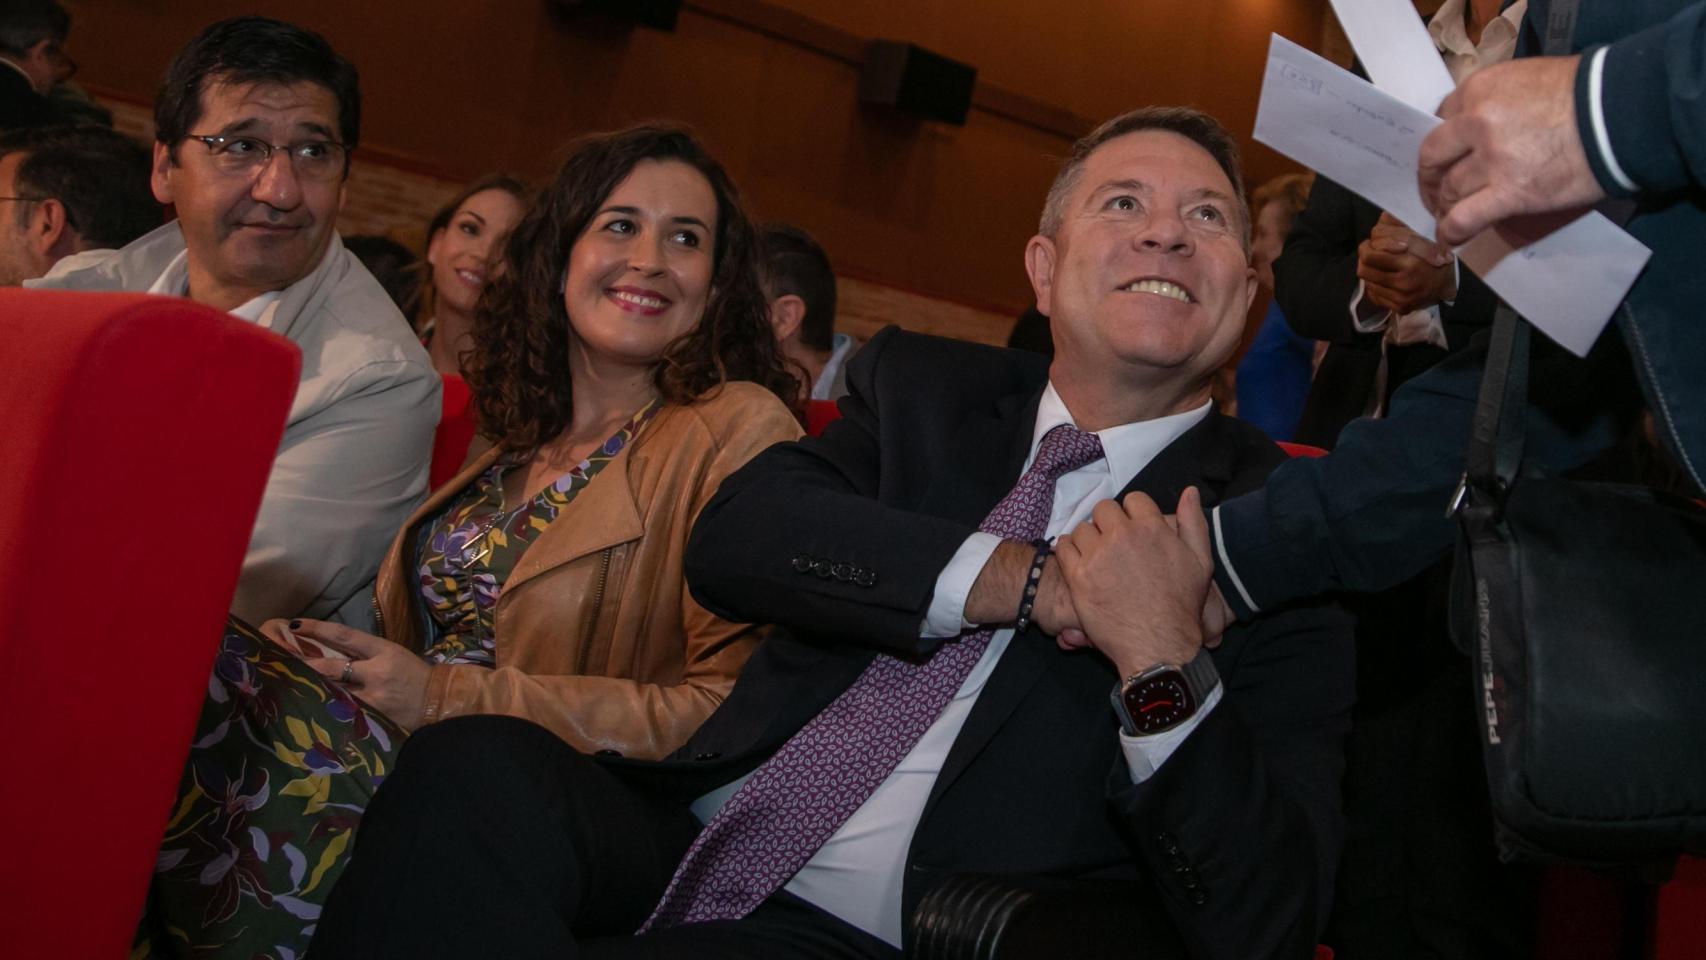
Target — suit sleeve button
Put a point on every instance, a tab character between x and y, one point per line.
844	571
1197	897
823	568
866	578
803	563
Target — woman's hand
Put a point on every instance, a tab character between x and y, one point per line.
382	674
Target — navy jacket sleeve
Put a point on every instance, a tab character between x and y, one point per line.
1652	99
1372	514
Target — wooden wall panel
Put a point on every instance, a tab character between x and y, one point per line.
456	89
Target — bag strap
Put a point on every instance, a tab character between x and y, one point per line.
1496	438
1495	444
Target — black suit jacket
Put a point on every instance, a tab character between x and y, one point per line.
20	104
1314	280
1239	831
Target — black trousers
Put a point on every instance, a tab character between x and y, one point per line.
494	838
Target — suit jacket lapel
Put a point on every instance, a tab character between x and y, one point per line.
1198	457
1201	457
981	462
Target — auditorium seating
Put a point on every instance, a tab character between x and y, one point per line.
140	431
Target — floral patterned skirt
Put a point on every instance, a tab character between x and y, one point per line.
283	764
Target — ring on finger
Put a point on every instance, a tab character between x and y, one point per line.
348	676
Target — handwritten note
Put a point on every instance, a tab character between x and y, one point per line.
1565	273
1337	124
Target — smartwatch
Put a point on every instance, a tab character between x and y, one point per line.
1164	696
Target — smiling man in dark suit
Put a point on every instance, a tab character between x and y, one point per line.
913	718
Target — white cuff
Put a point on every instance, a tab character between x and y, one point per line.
1370	319
1145	755
1596	114
947	614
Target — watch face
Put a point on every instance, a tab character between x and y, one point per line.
1158	702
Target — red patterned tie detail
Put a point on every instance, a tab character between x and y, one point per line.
798	798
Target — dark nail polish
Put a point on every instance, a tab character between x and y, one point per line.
296	624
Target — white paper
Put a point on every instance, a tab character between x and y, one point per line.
1565	273
1395	49
1338	125
1568	282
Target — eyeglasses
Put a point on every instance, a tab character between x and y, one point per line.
246	156
24	199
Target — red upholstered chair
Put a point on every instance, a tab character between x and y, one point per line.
138	434
820	414
1680	915
455	431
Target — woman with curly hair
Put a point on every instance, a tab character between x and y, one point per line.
623	364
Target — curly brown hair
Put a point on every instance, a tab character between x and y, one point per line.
518	371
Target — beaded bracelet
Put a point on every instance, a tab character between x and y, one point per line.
1029	597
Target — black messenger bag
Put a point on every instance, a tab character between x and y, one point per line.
1583	608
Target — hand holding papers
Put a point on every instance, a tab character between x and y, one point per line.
1566	273
1508	145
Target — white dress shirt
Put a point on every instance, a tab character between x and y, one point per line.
857	875
175	282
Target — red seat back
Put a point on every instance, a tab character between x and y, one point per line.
455	431
820	414
139	434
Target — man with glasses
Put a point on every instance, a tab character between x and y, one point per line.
71	190
254	126
32	60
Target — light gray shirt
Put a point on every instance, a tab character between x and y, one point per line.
352	464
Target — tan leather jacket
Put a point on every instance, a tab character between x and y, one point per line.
597	637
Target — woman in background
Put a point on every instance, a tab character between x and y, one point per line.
623	364
464	251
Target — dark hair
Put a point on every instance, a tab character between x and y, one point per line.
100	177
426	294
1193	125
790	261
253	50
518	370
25	23
395	267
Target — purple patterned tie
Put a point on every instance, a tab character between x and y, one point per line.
798	798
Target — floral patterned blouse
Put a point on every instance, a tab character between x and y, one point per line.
469	549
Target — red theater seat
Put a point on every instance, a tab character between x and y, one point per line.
820	414
139	433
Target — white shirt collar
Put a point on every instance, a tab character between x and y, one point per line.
1127	448
174	281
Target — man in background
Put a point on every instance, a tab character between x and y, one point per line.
73	190
800	286
32	60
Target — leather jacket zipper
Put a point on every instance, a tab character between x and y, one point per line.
597	605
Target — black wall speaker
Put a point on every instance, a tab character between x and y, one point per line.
657	14
913	80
